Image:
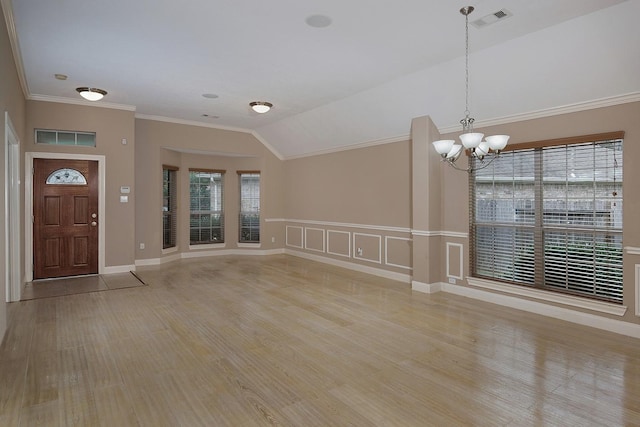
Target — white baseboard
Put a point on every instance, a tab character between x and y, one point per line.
119	269
158	261
400	277
245	252
203	254
561	313
426	287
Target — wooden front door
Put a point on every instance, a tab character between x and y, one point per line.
65	223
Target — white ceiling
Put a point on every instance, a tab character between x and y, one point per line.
360	80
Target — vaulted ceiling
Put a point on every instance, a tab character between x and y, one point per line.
359	80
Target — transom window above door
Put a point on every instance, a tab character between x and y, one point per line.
60	137
66	176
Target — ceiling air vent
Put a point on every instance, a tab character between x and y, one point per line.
492	18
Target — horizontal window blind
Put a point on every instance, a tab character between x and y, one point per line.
249	218
551	217
169	206
206	205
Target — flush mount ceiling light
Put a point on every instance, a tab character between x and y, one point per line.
91	93
260	106
472	141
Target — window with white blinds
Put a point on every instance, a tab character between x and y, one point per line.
169	206
550	216
206	204
249	220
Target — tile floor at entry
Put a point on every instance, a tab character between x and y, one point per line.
79	285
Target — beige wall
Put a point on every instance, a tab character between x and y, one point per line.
201	147
356	199
12	101
111	127
625	117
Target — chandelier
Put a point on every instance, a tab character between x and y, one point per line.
471	141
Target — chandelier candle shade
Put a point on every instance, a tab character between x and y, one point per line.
91	93
472	141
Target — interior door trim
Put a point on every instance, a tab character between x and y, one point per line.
13	262
28	220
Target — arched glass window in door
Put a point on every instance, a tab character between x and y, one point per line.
67	176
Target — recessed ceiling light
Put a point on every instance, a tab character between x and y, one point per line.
210	95
91	93
260	106
60	76
318	21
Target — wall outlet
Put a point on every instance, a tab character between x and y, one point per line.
452	280
273	240
141	245
359	251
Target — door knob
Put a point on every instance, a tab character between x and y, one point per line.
94	216
93	223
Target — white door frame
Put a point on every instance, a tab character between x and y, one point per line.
13	273
28	201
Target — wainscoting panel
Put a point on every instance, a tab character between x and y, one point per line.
455	266
367	247
397	252
382	250
637	289
339	243
314	239
294	236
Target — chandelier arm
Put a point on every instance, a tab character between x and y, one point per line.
470	169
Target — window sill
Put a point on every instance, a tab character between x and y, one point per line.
584	303
208	246
170	250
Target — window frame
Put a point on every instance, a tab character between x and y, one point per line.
253	225
542	228
57	133
211	212
170	207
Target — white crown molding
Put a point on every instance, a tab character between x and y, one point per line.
7	8
270	147
554	111
191	123
62	100
356	146
212	126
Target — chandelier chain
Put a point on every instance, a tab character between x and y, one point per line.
466	56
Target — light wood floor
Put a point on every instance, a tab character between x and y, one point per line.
260	341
